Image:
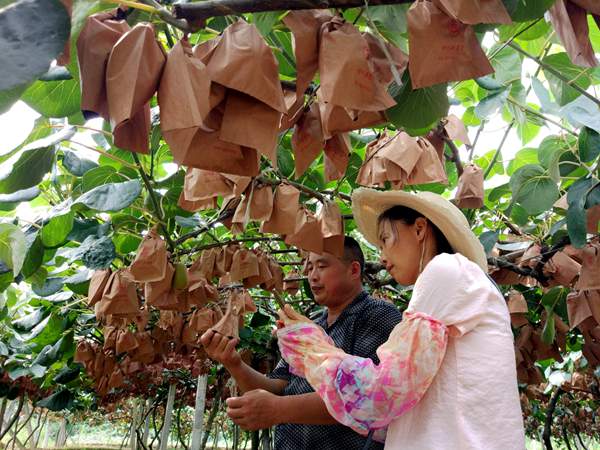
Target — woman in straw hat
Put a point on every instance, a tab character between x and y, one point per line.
446	377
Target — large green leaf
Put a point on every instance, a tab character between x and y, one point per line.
99	176
34	32
34	255
31	320
589	144
99	254
76	165
530	9
13	246
8	202
54	98
533	189
418	108
576	215
58	401
491	104
111	197
563	92
506	64
55	232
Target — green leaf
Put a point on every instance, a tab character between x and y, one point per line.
530	9
589	144
523	157
50	287
34	32
125	243
491	104
99	253
489	83
10	96
26	169
264	21
8	202
76	165
576	215
533	189
54	98
111	197
549	330
488	239
506	64
563	93
259	320
58	401
34	256
29	321
99	176
13	246
55	232
418	108
67	374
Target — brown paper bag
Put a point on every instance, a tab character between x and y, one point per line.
126	341
589	278
241	217
154	291
593	219
308	235
119	297
184	88
202	320
224	259
276	282
193	206
261	203
332	228
347	75
289	286
202	184
133	72
335	119
578	308
473	12
441	48
228	325
532	256
429	168
244	265
243	61
561	269
151	259
373	171
305	26
517	303
593	300
285	211
145	350
591	6
97	285
337	154
204	149
307	140
570	23
402	150
250	123
470	192
456	130
264	273
110	338
94	44
116	379
382	67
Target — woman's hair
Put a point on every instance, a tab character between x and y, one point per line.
409	216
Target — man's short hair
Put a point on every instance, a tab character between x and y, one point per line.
353	252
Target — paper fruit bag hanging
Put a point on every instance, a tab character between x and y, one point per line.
155	291
229	324
307	140
183	95
120	296
132	74
442	49
193	206
570	23
286	203
308	235
591	6
305	26
94	44
243	61
470	191
473	12
261	203
151	259
337	154
97	286
201	184
244	265
455	129
332	228
589	278
335	119
429	168
381	64
346	74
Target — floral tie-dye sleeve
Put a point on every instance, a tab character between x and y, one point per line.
357	392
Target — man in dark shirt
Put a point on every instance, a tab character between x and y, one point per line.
357	323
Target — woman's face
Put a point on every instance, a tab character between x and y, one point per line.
401	246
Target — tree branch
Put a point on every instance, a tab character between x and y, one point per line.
546	436
212	8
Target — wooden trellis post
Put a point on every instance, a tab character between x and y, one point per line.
198	429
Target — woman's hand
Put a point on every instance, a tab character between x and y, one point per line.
288	316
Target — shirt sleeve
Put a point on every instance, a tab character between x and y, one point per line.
357	392
374	328
453	290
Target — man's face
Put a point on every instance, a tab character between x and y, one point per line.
329	277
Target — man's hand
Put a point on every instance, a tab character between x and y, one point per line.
221	349
255	410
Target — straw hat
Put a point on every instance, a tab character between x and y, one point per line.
369	204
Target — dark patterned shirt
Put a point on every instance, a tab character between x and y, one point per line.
359	330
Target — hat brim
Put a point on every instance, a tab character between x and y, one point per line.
369	204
